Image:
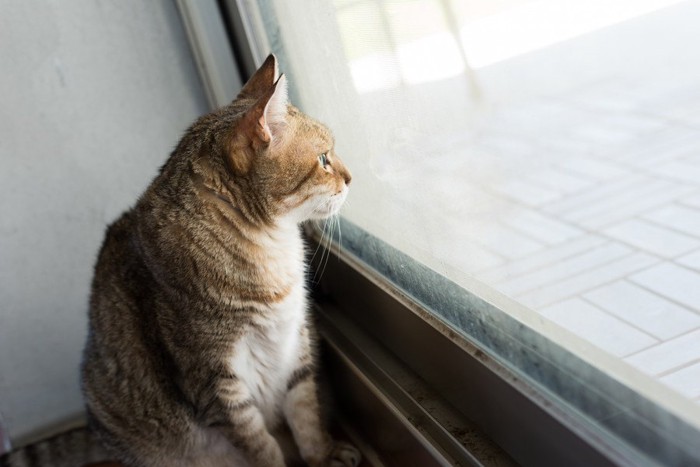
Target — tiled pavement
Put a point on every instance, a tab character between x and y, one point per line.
601	231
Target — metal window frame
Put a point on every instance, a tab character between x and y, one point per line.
212	50
368	320
538	401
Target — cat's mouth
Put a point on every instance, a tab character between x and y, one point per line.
332	206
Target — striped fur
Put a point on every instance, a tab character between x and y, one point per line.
73	448
200	351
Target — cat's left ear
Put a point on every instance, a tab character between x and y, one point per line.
266	120
262	79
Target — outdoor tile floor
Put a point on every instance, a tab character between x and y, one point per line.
602	233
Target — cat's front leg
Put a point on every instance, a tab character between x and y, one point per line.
244	426
302	411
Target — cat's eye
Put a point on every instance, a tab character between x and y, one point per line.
324	160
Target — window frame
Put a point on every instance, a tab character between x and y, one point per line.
528	422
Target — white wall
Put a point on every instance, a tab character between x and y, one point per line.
93	97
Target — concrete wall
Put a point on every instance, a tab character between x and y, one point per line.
93	97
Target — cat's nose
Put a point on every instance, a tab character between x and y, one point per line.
347	177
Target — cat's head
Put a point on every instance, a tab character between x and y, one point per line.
286	159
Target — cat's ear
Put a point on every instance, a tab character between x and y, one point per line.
266	120
261	80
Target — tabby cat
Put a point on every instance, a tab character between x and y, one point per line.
200	347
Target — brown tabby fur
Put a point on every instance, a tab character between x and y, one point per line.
72	448
205	270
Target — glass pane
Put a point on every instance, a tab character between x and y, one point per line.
544	155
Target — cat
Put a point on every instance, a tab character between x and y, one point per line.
200	348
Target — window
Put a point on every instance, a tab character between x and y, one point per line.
528	171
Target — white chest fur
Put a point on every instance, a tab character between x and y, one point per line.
268	353
266	356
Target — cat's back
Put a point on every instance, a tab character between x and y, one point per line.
115	244
125	370
119	273
114	303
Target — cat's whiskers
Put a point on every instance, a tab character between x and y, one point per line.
323	243
318	245
328	247
326	236
340	235
325	221
334	223
323	251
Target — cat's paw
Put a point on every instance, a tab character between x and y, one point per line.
344	455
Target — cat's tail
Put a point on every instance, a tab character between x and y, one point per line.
74	448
